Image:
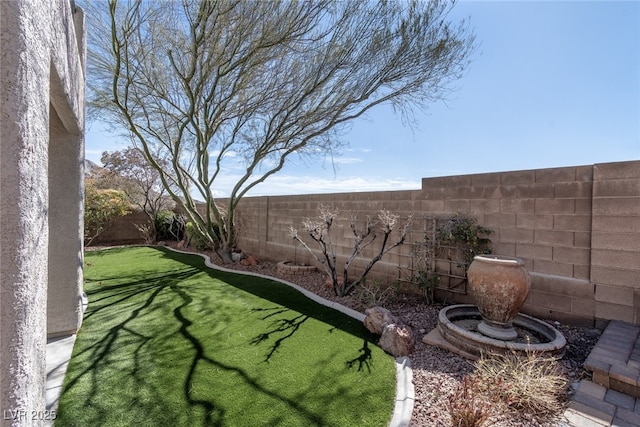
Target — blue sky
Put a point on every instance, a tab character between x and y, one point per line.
552	84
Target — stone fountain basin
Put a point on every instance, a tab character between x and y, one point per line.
458	325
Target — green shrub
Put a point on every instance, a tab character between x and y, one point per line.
442	260
196	238
101	208
170	225
465	233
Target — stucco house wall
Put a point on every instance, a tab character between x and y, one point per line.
41	165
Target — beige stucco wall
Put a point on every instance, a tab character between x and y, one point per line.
41	151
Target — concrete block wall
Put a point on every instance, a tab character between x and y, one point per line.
265	223
577	228
542	216
123	230
615	241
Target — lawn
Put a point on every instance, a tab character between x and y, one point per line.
167	341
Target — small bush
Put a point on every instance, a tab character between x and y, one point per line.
101	208
195	238
441	261
428	281
145	231
465	233
170	226
469	405
321	231
374	293
530	383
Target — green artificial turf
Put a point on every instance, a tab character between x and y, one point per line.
166	341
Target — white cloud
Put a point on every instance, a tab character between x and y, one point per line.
287	185
346	160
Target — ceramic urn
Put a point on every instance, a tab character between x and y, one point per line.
499	286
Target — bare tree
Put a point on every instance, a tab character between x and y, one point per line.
320	232
131	172
239	87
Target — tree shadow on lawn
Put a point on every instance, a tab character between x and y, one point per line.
286	328
213	415
286	299
128	309
120	306
276	292
283	327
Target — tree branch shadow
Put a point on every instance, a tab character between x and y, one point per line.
125	326
287	327
109	300
201	357
364	360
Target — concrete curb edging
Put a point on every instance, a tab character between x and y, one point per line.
405	393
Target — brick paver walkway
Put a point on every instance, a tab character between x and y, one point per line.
612	398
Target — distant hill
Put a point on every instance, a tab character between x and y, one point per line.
91	169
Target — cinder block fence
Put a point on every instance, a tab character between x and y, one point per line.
577	228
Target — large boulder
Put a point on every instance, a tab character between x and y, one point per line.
377	318
397	340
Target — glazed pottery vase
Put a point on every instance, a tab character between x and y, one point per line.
499	286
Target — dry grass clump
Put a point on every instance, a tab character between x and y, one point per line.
469	405
372	293
530	384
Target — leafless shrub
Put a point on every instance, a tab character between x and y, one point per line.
146	231
320	231
373	293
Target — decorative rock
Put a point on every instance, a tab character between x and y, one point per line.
250	260
397	340
236	256
378	318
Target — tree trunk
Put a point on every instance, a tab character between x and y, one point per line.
224	253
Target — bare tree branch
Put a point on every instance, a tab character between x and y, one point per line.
320	232
240	87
